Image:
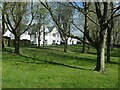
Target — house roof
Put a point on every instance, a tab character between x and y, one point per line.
50	28
7	34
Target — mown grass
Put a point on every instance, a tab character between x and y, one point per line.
52	68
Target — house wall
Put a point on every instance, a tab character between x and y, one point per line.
55	37
72	41
51	38
33	39
9	39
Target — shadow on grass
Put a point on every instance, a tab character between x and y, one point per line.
64	55
113	62
73	57
37	61
115	52
52	62
92	53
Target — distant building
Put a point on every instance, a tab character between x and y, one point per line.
52	37
8	38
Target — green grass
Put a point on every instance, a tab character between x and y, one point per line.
52	68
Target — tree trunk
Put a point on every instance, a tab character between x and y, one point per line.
39	39
43	36
108	45
84	45
65	45
109	32
9	42
85	28
3	46
16	44
114	42
3	29
100	64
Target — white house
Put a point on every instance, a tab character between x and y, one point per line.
24	36
52	36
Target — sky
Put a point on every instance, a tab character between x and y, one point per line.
80	4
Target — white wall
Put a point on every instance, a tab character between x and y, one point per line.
72	41
23	36
50	38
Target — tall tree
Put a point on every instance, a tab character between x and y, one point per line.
109	33
0	37
103	21
3	23
41	20
115	32
15	17
102	17
65	21
85	27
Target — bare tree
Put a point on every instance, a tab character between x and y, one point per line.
15	18
3	23
65	22
102	22
101	12
109	33
85	27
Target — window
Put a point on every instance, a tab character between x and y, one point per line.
54	34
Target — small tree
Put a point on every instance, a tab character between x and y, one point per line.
65	21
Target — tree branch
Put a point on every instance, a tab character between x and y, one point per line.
77	27
93	20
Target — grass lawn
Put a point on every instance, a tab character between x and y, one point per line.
52	68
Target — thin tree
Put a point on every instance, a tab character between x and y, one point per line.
3	23
109	33
85	28
65	22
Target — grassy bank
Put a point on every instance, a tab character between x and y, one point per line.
52	68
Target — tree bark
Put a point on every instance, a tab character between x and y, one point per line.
39	39
16	44
3	28
100	64
109	32
65	45
43	36
85	28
